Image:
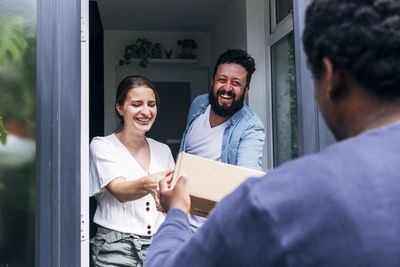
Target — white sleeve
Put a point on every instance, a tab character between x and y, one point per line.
103	165
171	161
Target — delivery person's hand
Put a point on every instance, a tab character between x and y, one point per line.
176	198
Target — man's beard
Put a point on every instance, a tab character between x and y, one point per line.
225	111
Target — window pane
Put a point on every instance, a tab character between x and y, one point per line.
17	131
284	103
283	8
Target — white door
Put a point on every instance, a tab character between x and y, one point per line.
85	133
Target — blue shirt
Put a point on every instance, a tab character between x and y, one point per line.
340	207
243	138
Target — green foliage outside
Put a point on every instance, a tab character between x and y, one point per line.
17	104
17	69
3	134
12	40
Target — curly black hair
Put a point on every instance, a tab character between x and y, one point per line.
361	37
239	57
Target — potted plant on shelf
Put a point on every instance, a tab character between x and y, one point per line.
188	46
140	49
168	53
156	51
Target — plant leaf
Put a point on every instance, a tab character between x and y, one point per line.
3	133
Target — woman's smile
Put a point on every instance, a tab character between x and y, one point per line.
139	109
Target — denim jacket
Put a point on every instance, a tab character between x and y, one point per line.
243	138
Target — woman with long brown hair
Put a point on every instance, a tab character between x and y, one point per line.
125	170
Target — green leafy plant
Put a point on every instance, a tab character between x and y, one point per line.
17	104
187	43
157	46
17	71
188	46
3	133
140	49
156	51
168	53
12	39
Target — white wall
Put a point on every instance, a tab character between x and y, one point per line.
260	92
242	25
229	30
114	46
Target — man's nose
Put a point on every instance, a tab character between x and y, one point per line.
228	86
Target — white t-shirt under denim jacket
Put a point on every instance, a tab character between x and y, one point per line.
110	159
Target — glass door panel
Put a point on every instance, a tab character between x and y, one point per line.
283	8
284	101
17	131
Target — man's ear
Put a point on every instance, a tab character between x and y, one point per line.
333	79
246	90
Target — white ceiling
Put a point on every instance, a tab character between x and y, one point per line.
160	15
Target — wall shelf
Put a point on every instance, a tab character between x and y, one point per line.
164	63
167	60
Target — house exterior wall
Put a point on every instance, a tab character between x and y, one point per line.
59	132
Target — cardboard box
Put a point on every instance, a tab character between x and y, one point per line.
209	181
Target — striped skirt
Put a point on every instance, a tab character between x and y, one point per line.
112	248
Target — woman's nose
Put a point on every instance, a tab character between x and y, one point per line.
145	110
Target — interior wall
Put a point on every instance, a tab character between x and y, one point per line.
260	91
242	25
114	46
230	29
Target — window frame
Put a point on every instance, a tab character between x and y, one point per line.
273	34
286	22
313	134
278	157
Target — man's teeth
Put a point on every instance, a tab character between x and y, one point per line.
226	96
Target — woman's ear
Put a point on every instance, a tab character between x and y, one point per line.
119	109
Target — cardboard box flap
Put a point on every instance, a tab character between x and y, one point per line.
208	179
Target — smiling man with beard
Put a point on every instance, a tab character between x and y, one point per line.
220	126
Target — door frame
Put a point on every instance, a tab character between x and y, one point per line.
58	134
62	114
